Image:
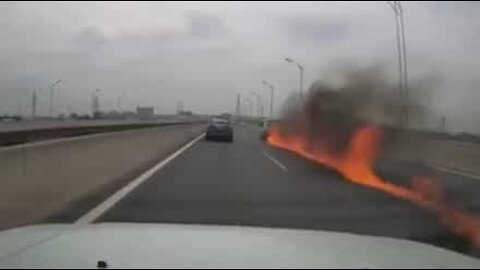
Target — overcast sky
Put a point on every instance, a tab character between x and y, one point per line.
156	54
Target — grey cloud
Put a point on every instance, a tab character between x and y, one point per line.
205	26
465	8
311	29
90	38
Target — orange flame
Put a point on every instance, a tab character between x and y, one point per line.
356	164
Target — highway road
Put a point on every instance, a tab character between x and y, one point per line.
250	183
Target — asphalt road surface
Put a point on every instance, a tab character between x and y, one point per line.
250	183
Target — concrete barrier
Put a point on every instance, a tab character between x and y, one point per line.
40	179
12	137
457	155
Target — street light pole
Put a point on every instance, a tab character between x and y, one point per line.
402	58
404	54
120	102
248	110
52	86
300	68
34	104
258	102
393	5
272	90
95	103
243	110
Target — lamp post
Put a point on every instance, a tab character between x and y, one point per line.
259	100
52	86
272	90
402	58
300	68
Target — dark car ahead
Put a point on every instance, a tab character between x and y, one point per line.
219	129
266	124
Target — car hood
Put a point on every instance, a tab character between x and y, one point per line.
123	245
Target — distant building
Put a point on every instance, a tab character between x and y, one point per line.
145	113
185	113
112	115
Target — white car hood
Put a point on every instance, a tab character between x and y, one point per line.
123	245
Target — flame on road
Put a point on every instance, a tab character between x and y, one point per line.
356	164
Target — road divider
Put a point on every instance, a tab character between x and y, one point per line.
15	137
41	179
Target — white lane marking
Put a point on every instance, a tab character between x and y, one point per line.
103	207
464	174
275	161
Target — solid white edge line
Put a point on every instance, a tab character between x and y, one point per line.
275	161
447	170
103	207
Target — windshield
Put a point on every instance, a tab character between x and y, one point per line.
349	117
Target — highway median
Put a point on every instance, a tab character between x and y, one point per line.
41	180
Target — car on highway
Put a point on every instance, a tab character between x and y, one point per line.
265	125
219	128
264	133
